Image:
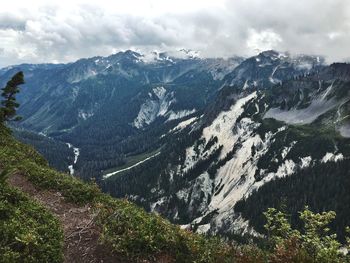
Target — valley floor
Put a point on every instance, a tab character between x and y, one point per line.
133	162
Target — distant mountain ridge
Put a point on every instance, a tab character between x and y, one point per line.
99	102
218	130
271	67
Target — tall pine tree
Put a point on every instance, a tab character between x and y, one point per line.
8	104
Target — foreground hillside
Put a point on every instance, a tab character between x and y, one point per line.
122	231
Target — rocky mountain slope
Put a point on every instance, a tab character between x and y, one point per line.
114	107
106	105
47	216
246	139
270	68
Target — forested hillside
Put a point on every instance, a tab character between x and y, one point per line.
118	106
57	153
195	139
49	216
122	232
249	141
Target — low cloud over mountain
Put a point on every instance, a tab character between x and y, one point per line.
62	31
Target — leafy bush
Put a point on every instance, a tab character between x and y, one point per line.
313	244
132	232
29	233
250	254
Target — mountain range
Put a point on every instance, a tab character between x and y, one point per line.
210	143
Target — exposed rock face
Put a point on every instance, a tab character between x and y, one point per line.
248	138
225	128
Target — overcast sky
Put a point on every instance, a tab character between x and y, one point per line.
63	31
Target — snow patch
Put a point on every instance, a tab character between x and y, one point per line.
305	162
286	149
272	79
130	167
179	114
202	229
331	157
236	179
184	124
222	126
76	152
85	114
156	105
158	203
318	106
159	92
147	114
222	129
246	85
183	194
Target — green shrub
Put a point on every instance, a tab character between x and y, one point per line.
29	233
314	244
132	232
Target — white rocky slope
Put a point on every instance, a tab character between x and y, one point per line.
76	152
319	105
237	177
157	104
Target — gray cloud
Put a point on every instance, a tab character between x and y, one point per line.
240	27
10	21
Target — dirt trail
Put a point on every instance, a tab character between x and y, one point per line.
80	232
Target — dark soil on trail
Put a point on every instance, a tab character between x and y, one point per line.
81	234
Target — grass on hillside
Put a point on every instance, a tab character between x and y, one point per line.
29	233
126	228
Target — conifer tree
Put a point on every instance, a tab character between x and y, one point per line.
8	104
